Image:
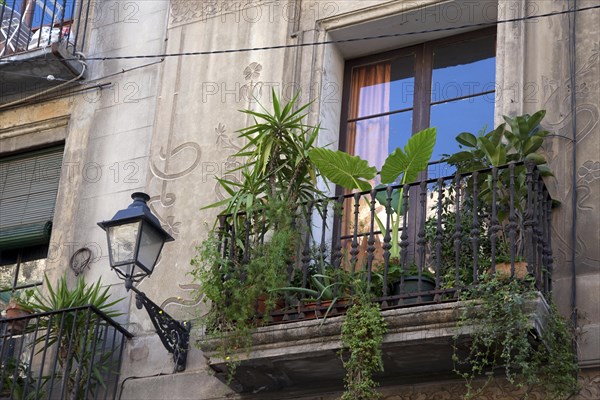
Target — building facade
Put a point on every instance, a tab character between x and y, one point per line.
146	98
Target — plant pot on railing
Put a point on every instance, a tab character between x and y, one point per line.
504	270
14	310
411	285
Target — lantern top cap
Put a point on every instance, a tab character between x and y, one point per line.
137	210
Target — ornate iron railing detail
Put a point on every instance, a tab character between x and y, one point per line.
31	25
70	353
453	231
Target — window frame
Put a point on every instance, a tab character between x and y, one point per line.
422	102
23	254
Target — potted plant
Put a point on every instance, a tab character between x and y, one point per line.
516	140
240	265
408	281
497	315
327	288
19	306
402	165
91	358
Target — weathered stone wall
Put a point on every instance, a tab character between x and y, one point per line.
196	120
168	128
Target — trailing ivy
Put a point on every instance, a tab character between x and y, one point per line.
234	289
362	334
502	338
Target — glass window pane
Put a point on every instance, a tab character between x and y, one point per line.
31	272
373	139
402	86
452	118
400	130
382	87
123	240
150	245
464	68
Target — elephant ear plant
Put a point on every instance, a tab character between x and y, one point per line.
402	166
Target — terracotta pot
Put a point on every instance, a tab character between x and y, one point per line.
15	311
504	270
261	308
314	310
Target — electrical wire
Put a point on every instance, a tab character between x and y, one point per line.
24	99
325	42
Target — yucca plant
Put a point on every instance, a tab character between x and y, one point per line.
74	332
274	163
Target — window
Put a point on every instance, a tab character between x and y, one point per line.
28	188
448	83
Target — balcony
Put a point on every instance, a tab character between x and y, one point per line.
71	353
40	44
452	232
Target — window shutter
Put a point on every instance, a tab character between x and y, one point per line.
28	188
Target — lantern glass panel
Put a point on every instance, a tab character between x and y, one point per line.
151	243
122	240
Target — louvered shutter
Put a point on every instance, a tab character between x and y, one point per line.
28	188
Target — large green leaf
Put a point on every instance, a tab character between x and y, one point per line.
350	172
532	144
382	195
467	139
412	160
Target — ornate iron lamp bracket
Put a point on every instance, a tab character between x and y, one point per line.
174	335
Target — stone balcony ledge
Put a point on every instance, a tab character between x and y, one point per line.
418	345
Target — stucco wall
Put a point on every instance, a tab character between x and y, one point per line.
168	128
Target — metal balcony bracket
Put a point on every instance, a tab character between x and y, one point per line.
174	335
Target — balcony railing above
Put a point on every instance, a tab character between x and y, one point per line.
40	38
73	353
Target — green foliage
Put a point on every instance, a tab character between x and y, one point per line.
448	229
362	334
61	297
274	163
18	382
352	172
407	164
234	289
341	168
75	330
516	140
22	298
502	339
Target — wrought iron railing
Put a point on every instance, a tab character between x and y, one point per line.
452	231
73	353
32	24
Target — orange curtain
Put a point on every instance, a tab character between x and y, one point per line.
368	138
369	95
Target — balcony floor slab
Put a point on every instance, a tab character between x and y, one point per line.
418	347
